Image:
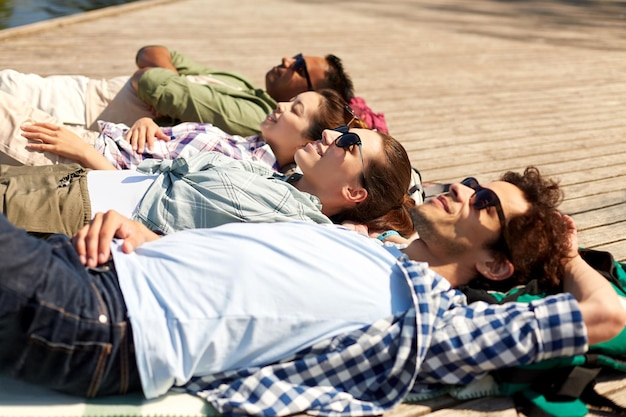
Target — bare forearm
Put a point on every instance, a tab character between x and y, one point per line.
95	160
602	310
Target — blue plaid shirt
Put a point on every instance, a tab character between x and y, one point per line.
367	372
211	189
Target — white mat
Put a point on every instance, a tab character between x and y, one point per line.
24	400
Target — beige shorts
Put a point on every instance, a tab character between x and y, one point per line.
75	99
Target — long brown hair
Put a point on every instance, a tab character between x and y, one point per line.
331	113
387	205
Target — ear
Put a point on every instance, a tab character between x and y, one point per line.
354	194
495	269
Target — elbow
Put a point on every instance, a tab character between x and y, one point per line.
617	322
612	323
145	54
141	53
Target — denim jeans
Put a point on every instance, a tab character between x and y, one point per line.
62	325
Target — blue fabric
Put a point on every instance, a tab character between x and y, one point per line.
61	326
300	283
211	189
371	370
440	339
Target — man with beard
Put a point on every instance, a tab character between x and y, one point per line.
283	318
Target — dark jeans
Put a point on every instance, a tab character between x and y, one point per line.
62	325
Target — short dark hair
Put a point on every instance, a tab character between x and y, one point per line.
337	78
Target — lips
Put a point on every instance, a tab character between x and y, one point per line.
443	202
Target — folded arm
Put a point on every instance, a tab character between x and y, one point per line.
155	56
601	307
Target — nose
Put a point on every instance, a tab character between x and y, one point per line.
287	61
329	136
280	107
460	192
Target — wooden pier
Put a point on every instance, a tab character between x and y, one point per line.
469	87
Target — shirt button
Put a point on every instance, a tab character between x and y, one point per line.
102	319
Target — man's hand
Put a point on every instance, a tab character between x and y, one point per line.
93	241
143	131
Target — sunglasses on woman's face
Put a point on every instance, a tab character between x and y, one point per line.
485	198
347	140
299	66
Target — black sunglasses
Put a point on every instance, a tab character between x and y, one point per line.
300	67
484	198
347	140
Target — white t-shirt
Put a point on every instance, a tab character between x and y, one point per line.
208	300
119	190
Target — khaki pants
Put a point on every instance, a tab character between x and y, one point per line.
45	199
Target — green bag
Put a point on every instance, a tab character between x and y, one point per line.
563	387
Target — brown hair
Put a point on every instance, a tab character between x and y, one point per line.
538	240
387	205
330	114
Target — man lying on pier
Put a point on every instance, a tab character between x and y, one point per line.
283	318
170	85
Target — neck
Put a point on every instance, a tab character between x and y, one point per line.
450	267
283	158
332	203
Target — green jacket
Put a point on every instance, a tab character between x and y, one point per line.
227	100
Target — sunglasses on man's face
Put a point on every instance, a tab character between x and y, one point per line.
299	66
485	198
347	140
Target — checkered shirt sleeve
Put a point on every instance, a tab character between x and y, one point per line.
470	341
365	372
186	140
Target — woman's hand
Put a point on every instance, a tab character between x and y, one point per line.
143	131
61	141
58	140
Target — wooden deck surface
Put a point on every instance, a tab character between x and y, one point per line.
469	87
